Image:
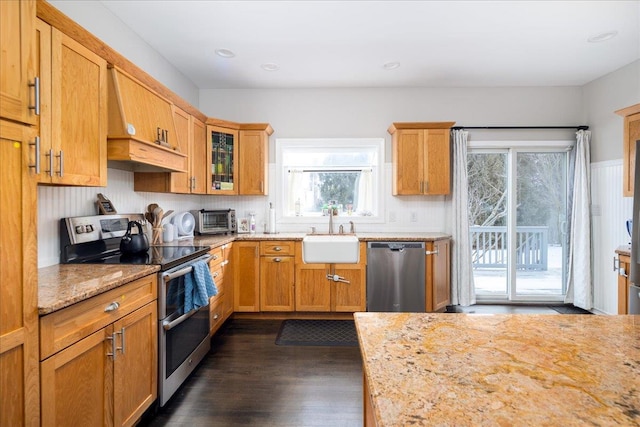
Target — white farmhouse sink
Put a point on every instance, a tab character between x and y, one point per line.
330	249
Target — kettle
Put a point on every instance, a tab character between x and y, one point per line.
134	243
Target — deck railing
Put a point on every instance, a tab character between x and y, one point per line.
489	247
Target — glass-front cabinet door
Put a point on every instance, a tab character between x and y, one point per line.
222	160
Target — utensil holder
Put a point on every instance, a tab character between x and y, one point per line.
157	236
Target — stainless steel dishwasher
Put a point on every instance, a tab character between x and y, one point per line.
396	276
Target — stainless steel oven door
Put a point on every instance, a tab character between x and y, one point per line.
184	337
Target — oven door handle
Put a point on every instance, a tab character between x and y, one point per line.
167	277
167	326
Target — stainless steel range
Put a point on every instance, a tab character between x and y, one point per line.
183	332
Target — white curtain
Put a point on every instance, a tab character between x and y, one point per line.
364	202
462	285
579	287
295	187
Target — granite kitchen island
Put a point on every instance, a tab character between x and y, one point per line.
469	369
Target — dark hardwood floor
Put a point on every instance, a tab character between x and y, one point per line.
247	380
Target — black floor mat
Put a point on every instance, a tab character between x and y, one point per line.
317	333
569	309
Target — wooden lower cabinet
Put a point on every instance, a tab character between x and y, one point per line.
624	261
246	276
109	376
277	276
221	305
277	283
438	275
315	292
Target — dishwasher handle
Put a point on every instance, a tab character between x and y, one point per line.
396	246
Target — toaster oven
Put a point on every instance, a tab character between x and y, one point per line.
215	221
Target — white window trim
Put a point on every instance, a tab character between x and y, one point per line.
379	173
512	148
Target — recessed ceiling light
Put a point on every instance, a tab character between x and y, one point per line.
225	53
391	65
602	37
270	66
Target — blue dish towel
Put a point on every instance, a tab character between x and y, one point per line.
198	287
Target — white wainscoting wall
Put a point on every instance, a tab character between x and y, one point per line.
609	212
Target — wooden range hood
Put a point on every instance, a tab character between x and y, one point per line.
136	114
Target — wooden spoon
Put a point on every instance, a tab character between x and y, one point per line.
158	212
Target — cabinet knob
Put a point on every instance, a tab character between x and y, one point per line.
112	307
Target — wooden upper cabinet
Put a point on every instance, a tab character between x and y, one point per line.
72	126
421	158
631	134
142	130
181	181
222	151
253	159
17	20
198	157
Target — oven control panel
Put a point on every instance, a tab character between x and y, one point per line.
83	229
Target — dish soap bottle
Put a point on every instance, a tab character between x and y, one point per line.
252	223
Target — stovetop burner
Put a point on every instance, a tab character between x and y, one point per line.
96	240
165	256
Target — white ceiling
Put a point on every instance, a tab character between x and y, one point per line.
345	43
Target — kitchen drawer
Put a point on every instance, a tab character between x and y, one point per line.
218	279
64	327
216	314
279	247
217	257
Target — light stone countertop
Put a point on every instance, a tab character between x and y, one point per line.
624	250
485	370
216	240
61	285
64	284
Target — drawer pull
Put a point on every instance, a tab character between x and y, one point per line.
112	338
216	274
436	252
215	257
277	259
277	248
112	307
36	165
121	333
36	86
216	316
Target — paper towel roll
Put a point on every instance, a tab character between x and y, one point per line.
272	221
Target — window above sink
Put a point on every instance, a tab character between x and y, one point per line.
316	175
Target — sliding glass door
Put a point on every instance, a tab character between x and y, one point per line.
518	216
